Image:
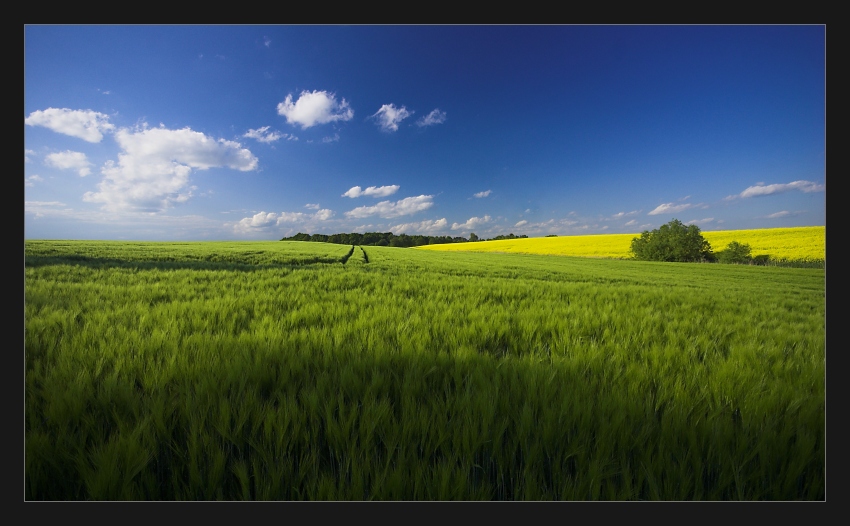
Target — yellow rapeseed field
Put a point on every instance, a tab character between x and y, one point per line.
806	243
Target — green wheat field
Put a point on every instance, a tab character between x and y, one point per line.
295	371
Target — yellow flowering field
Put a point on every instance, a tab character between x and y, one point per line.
781	244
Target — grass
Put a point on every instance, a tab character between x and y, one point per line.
276	371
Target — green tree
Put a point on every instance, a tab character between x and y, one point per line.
672	242
473	237
735	253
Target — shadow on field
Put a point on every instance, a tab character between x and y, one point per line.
166	264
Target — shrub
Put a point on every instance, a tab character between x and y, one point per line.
735	253
672	242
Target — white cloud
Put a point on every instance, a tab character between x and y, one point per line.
32	204
266	221
631	223
421	227
700	221
333	138
323	215
389	116
27	153
670	208
388	209
485	193
69	160
620	215
263	135
84	124
435	117
31	180
267	41
314	107
153	171
374	191
312	206
521	223
762	189
472	222
777	215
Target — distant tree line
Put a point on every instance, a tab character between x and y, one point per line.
388	239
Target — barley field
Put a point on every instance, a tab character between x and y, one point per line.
296	371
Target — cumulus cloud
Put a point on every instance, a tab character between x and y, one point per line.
314	107
84	124
421	227
323	215
389	116
435	117
472	222
152	172
264	135
312	206
69	160
388	209
485	193
265	221
374	191
762	189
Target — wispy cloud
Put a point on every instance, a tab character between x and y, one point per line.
421	227
777	215
435	117
761	189
673	208
314	107
521	223
389	116
312	206
700	222
374	191
670	208
264	135
621	215
152	172
31	180
27	153
472	222
331	138
388	209
267	41
479	195
69	160
84	124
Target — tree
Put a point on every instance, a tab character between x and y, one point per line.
473	237
672	242
735	253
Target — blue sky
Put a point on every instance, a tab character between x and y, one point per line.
259	132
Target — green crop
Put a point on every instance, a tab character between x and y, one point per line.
310	371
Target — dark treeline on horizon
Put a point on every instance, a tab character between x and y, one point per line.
388	239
